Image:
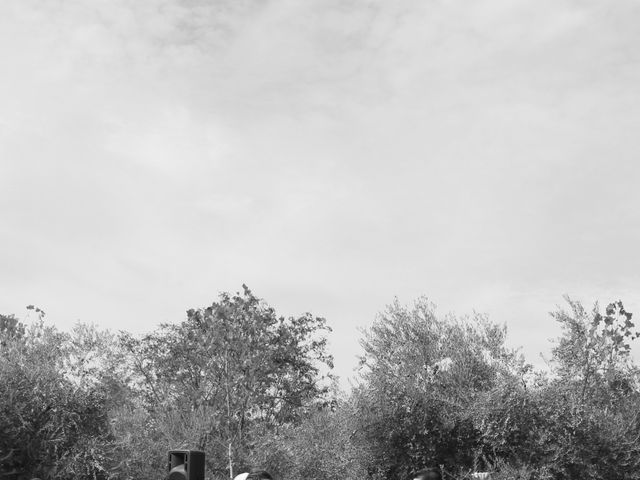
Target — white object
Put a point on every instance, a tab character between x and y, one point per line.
479	475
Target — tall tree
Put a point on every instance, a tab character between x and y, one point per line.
592	427
420	374
232	365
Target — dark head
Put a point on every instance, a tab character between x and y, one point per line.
427	474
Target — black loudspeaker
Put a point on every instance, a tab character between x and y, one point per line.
186	465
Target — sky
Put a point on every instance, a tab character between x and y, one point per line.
331	154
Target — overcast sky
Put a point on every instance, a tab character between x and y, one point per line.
331	154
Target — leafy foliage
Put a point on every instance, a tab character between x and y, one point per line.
230	370
595	348
591	405
253	389
320	447
50	427
421	374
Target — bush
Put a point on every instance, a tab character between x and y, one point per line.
50	428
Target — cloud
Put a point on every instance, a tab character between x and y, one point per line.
331	154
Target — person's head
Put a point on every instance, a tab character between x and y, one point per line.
259	475
427	474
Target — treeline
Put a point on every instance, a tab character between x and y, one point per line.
254	389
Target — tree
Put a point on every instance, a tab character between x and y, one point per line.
590	405
509	418
320	446
594	348
11	329
227	369
49	427
420	375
